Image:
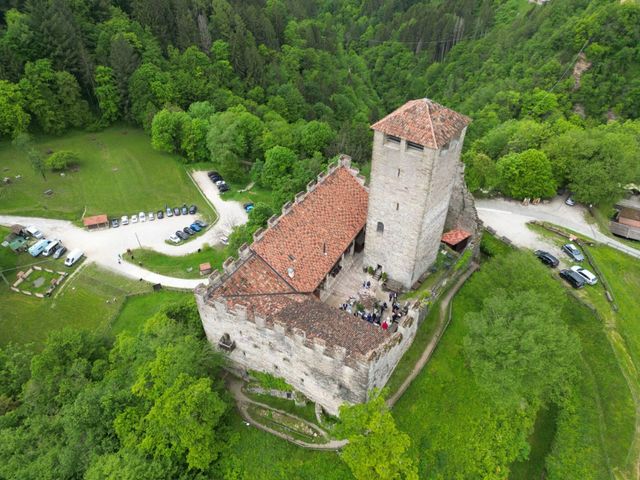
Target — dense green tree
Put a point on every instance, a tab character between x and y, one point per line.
526	174
13	118
520	348
107	94
376	448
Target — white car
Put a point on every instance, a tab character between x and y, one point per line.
590	278
124	220
142	216
173	238
151	216
34	232
224	239
134	218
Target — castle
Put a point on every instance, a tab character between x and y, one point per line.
267	309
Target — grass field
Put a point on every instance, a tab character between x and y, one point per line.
137	309
118	174
179	266
447	416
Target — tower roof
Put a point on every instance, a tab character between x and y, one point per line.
423	121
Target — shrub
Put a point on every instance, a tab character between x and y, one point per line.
269	382
61	160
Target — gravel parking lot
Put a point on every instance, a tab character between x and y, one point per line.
104	246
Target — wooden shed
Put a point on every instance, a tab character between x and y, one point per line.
95	222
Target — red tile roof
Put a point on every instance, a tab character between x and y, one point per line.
313	235
424	122
95	220
454	237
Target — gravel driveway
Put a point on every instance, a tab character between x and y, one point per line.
104	246
509	219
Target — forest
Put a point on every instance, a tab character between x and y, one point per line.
269	91
272	89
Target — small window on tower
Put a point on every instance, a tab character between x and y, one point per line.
392	139
398	173
380	227
416	147
397	206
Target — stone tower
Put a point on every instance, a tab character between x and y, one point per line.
416	158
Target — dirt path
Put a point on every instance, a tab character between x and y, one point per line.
235	387
443	322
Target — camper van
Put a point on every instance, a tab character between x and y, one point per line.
49	249
38	247
73	257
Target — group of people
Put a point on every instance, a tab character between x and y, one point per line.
377	315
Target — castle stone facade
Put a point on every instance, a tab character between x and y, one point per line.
415	163
265	311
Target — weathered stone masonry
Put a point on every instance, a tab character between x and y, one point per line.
265	310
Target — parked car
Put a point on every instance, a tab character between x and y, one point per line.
34	232
547	258
248	207
114	223
200	223
223	187
169	212
571	250
124	220
589	277
574	279
193	209
159	215
151	217
176	212
195	227
570	201
174	238
214	176
184	210
61	250
224	240
142	216
182	235
134	218
73	257
49	249
188	231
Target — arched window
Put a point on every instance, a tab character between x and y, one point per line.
380	227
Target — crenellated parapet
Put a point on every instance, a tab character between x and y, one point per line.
238	315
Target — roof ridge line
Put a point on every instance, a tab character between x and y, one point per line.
433	132
275	271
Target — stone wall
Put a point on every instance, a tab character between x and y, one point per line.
319	372
409	194
390	354
462	210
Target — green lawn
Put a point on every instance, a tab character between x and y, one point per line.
88	300
118	174
179	266
137	309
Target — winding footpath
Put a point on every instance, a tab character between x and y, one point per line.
103	247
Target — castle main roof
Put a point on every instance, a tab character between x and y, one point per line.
309	238
307	242
425	122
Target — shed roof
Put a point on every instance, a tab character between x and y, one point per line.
95	220
425	122
454	237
